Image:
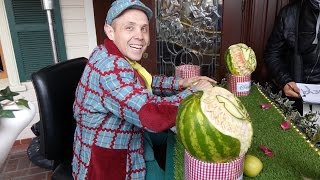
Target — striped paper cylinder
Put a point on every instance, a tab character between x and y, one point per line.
199	170
187	71
239	85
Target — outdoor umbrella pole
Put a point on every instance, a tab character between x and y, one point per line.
53	42
48	6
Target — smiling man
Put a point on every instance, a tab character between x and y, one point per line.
119	105
130	33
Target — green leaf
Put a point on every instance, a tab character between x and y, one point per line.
22	102
2	98
316	138
6	114
7	94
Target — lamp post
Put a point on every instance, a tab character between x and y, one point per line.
48	5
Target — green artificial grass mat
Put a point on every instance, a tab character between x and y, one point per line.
293	157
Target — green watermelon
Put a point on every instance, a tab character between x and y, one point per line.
240	59
214	126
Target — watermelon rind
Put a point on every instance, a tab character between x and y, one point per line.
240	59
214	126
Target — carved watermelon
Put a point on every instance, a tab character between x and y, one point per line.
214	126
240	59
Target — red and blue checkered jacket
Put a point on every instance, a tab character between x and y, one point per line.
112	109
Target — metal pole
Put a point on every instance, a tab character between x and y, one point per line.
48	5
53	42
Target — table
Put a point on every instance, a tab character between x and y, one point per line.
294	157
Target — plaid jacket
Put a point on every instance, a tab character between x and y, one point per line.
112	109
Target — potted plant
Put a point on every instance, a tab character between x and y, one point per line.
15	115
6	102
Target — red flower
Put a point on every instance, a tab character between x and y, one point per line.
266	151
285	125
266	105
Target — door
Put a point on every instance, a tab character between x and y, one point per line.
246	21
101	8
214	62
250	22
258	19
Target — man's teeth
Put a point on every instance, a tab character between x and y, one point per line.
136	46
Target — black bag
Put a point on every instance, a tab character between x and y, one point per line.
33	150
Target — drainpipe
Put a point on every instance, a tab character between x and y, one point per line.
47	5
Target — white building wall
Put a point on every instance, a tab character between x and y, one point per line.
75	28
80	39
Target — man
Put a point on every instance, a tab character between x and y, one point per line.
117	100
292	52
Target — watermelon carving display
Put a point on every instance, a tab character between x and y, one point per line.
240	59
214	126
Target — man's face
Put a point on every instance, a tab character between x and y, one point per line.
130	33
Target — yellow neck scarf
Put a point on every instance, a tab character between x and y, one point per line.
146	76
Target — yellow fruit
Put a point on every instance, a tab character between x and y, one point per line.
252	166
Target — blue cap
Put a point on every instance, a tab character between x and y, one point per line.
118	6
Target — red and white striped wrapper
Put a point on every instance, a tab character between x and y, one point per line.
239	85
187	71
195	169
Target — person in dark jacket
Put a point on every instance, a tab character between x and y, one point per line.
292	51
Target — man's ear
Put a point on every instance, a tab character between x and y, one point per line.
109	31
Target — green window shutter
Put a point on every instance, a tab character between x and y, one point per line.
30	35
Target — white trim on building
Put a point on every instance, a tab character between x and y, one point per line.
8	52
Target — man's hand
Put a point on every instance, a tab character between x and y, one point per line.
190	82
291	90
201	85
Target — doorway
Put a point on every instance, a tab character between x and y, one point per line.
149	60
3	72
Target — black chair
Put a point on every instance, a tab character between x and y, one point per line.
55	87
